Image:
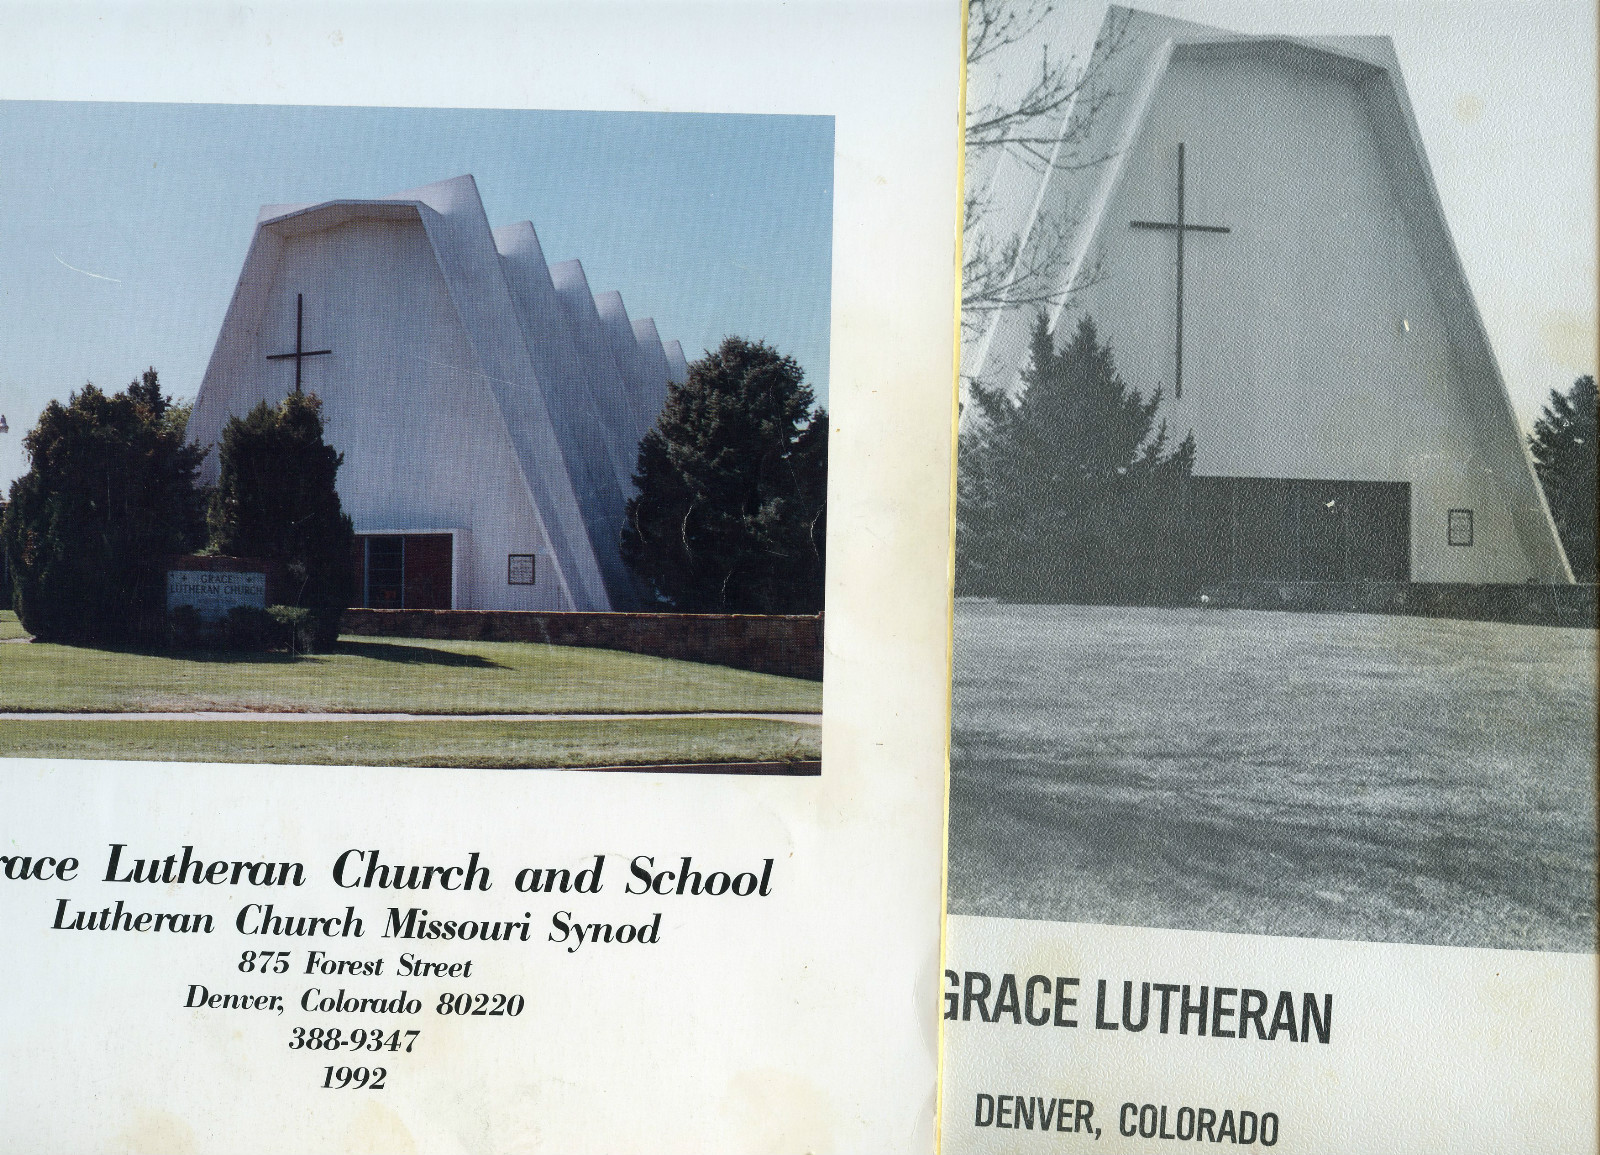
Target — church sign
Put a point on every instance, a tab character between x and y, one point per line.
214	590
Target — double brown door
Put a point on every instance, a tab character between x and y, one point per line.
409	571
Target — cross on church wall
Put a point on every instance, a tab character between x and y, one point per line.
1181	226
300	351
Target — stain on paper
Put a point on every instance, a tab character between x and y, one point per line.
1569	340
378	1131
778	1111
154	1132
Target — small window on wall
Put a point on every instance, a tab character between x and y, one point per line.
1460	527
519	569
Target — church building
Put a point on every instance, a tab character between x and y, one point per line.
489	407
1258	234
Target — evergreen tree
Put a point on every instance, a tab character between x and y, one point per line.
1069	492
110	493
5	564
731	511
1563	444
275	500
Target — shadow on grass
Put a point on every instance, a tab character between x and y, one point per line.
416	655
220	657
373	651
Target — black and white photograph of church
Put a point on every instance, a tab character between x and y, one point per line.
1275	610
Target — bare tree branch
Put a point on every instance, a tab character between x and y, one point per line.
1048	127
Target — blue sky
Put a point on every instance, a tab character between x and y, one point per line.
123	226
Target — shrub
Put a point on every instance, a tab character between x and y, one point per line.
275	500
731	514
1069	492
247	628
185	630
109	493
297	629
1565	452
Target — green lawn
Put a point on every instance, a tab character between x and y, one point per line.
389	674
624	741
1324	775
10	627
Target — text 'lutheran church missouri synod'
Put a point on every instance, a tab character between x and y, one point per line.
1266	244
489	406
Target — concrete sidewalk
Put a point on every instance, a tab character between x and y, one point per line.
334	716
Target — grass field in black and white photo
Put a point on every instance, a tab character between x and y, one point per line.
1321	775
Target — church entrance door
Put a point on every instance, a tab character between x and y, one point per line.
1272	529
1323	509
405	571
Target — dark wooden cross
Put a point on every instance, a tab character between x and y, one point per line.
300	351
1180	226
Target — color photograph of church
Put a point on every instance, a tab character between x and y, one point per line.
507	340
467	488
1274	615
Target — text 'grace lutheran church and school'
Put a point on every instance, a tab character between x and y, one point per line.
1264	240
489	406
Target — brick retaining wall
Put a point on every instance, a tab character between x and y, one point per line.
1535	605
767	644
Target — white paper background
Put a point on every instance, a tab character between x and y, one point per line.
803	1023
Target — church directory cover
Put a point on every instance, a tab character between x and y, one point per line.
909	576
1272	797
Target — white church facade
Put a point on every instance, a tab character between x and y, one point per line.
489	408
1265	243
